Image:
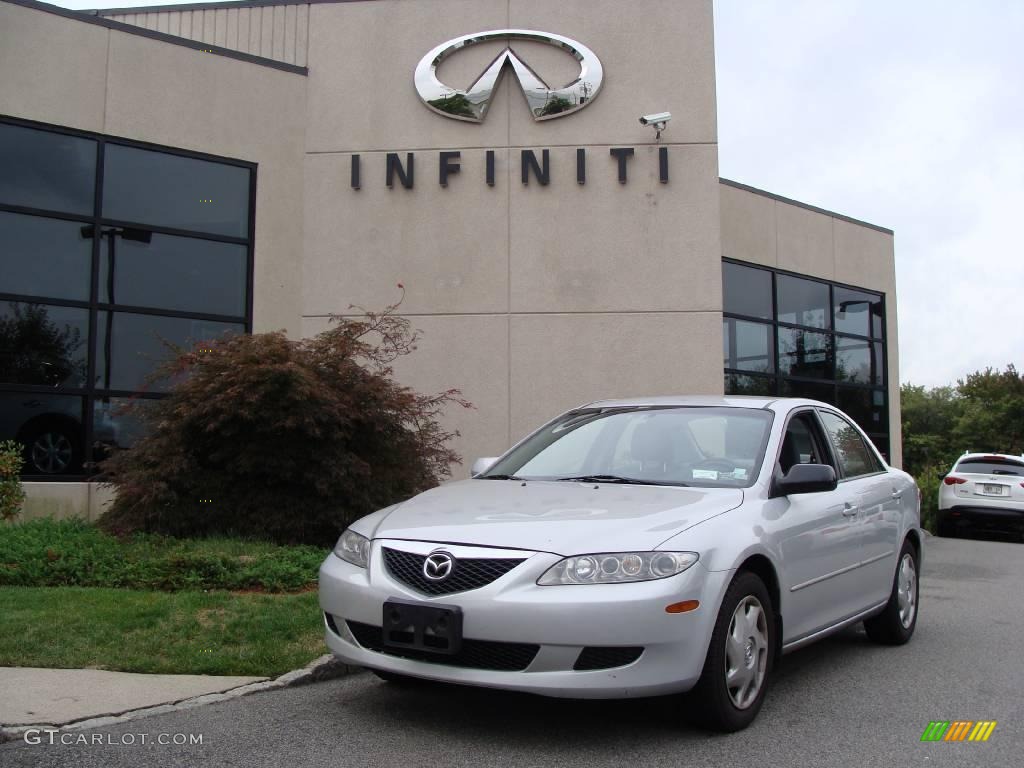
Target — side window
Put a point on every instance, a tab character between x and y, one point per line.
802	443
855	458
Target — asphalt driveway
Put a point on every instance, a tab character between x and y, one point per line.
842	702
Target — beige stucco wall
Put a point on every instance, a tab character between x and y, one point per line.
761	229
532	299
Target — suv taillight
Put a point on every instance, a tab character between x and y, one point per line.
950	480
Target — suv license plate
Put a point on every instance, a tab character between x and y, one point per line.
992	490
422	627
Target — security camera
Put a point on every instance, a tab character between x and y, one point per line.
658	121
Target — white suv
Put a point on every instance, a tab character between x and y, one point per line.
983	491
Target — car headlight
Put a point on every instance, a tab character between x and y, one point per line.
617	567
353	548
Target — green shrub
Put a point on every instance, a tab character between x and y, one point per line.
12	494
47	553
283	440
928	481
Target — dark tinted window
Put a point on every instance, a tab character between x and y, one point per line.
54	327
50	428
738	384
167	190
40	169
180	273
826	393
44	257
858	361
748	346
747	291
865	406
804	353
858	312
115	421
803	302
855	458
990	467
43	344
129	347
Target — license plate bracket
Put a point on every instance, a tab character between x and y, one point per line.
428	627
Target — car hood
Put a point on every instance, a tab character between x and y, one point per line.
560	517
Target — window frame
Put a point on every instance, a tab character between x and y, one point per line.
777	379
90	392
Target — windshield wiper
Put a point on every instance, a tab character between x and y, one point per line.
612	479
499	477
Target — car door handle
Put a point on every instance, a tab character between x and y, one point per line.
850	510
897	497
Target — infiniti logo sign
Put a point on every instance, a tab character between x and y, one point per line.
438	566
545	103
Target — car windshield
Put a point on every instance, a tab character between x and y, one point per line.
700	446
990	466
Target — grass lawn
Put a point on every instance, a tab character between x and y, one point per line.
47	553
194	632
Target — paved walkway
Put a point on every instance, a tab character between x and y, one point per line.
57	696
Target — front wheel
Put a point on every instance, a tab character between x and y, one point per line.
737	669
895	624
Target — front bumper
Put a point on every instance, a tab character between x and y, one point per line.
561	620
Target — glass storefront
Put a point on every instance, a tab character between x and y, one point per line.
110	252
795	336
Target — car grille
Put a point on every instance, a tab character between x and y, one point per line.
597	657
475	654
467	573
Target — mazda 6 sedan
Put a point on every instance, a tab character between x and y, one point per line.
636	548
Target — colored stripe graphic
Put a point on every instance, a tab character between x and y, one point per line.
982	730
958	730
935	731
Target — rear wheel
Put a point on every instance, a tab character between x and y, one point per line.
945	528
895	624
738	666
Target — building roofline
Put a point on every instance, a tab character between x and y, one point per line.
196	45
211	6
807	206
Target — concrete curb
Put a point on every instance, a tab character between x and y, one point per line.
326	667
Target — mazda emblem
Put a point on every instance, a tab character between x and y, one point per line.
438	566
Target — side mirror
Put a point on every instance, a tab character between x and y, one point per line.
941	474
482	465
806	478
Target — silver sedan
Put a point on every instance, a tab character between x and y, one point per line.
635	548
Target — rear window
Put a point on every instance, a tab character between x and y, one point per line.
984	466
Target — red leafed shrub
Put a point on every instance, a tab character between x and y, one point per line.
271	438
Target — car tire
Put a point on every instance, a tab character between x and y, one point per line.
895	624
738	667
944	528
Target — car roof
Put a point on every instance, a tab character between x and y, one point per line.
725	401
1011	456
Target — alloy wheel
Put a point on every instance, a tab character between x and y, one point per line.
51	452
746	652
906	591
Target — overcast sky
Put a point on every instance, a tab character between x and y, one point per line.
906	114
